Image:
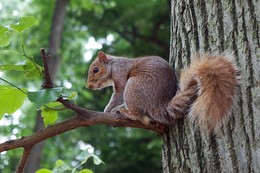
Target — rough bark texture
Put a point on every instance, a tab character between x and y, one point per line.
216	26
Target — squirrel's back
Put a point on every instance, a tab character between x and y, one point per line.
151	85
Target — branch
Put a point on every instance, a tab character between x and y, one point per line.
150	39
47	83
23	160
85	118
114	119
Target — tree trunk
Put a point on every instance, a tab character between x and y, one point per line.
56	36
217	26
33	163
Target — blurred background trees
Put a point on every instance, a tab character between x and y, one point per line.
123	28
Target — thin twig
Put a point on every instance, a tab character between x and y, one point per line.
13	85
69	105
47	78
28	57
24	159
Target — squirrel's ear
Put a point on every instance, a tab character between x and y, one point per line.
102	57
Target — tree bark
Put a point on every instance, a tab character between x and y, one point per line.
216	26
54	47
55	36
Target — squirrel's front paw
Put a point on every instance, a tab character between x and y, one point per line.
118	108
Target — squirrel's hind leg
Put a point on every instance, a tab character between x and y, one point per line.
144	119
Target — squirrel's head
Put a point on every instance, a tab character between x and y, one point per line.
99	74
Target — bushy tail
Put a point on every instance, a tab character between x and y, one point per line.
207	90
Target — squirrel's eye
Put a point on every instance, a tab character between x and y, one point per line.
95	69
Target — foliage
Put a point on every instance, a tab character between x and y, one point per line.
44	96
23	24
12	97
133	35
82	158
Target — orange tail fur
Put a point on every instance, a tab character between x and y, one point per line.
216	81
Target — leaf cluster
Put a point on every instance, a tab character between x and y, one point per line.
12	97
83	157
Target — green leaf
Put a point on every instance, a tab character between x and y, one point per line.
97	160
72	95
59	163
31	70
84	156
4	36
44	171
61	167
49	116
23	24
53	105
86	171
3	29
44	96
11	67
11	99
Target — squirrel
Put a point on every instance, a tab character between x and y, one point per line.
146	89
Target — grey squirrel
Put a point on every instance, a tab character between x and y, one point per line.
146	89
